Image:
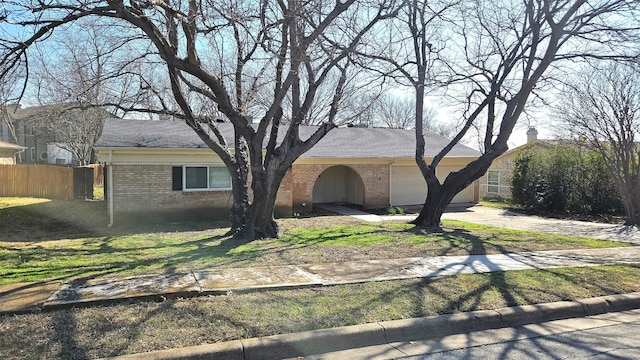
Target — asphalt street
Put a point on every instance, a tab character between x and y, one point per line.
618	340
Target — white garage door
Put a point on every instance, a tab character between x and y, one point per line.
464	196
409	188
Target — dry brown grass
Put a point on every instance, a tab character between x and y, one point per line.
109	330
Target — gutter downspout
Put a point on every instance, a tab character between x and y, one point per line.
110	187
391	181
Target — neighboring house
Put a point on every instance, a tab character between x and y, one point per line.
163	165
27	132
9	152
28	127
496	182
58	154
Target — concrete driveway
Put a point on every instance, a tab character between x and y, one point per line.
512	220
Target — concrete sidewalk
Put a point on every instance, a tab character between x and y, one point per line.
16	298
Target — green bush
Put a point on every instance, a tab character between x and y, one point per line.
566	179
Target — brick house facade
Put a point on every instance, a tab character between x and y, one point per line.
496	182
148	174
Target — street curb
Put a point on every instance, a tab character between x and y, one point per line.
357	336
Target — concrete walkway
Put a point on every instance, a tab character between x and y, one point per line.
17	298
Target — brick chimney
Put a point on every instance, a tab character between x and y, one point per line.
532	135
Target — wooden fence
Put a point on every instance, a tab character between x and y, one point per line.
98	174
42	181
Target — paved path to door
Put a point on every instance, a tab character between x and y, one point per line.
512	220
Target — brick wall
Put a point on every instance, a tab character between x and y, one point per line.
375	178
504	167
284	200
148	188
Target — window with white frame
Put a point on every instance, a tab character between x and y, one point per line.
206	178
493	182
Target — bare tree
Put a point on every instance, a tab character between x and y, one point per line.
399	112
291	47
396	112
76	84
355	103
7	106
498	54
75	128
601	107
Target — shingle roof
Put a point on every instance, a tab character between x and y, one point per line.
338	143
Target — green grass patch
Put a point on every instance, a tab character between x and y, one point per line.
152	252
98	192
497	203
44	240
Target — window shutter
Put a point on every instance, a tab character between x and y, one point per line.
177	178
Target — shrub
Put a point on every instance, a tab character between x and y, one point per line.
565	178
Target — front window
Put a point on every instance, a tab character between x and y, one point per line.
493	182
206	178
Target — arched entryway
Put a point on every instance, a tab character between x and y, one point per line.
338	184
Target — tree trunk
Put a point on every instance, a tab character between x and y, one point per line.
439	196
239	210
432	210
241	206
631	203
259	219
262	224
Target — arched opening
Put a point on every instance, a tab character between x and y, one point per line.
338	184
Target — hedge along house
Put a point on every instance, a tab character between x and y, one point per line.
158	167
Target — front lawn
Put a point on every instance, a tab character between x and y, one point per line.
56	240
140	326
45	240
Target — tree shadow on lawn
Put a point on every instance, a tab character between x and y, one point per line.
459	238
497	289
108	337
114	257
297	311
471	300
77	219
